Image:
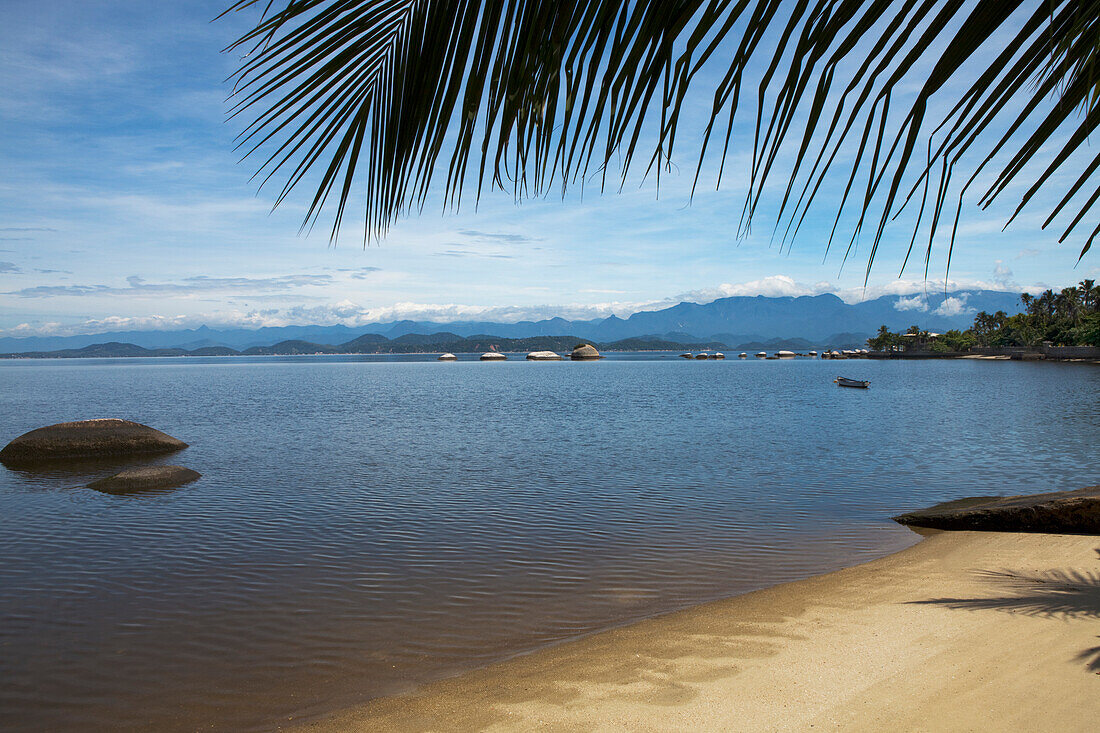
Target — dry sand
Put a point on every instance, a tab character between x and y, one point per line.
966	631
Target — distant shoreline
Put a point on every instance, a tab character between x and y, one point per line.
374	345
1089	355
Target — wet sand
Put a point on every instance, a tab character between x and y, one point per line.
964	631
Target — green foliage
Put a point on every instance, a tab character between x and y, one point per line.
1064	318
955	340
1088	333
885	340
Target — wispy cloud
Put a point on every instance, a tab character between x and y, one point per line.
470	253
1003	276
357	273
139	287
498	237
27	229
9	267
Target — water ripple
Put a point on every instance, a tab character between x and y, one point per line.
365	525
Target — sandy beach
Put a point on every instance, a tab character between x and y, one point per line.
964	631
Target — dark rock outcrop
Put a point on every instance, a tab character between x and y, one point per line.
1061	512
87	439
584	352
145	478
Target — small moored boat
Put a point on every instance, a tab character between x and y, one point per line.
857	383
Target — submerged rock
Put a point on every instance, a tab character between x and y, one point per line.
101	438
583	352
143	479
1061	512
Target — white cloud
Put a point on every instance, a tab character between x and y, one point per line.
784	286
953	306
774	286
916	303
345	312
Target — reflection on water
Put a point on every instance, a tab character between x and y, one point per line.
365	524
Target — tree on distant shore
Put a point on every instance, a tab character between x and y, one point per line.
885	340
893	105
1070	317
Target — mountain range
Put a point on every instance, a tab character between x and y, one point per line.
371	343
821	320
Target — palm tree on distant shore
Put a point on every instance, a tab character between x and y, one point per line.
889	107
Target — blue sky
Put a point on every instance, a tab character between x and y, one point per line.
123	205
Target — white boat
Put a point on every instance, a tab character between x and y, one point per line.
544	356
857	383
493	356
448	357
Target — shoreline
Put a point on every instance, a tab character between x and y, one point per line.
949	634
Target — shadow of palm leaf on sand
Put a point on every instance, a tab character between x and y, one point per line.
1091	658
1063	594
1054	593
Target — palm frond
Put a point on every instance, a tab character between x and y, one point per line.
907	103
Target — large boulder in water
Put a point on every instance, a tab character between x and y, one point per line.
583	352
88	439
1061	512
146	478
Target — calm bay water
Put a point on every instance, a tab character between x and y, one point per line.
364	524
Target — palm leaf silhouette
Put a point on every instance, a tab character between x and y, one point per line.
535	96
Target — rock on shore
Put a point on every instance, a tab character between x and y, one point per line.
100	438
147	477
1062	512
583	352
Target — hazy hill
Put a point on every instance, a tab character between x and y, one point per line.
369	344
730	321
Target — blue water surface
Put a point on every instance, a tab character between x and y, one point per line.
364	524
